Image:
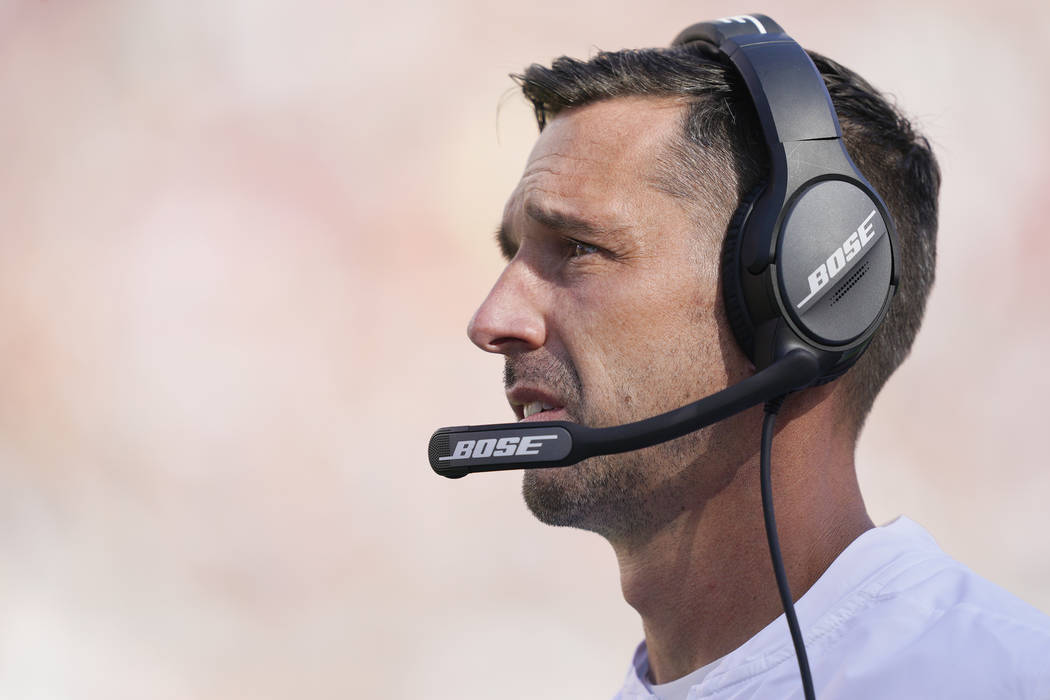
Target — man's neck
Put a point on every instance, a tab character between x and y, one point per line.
703	583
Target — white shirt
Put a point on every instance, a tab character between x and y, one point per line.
677	689
892	617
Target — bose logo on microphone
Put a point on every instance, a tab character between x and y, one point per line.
503	447
836	262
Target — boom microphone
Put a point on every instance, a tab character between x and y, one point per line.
458	451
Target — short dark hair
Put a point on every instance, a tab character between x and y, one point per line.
720	146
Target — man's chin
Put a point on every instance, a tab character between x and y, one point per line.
591	495
550	499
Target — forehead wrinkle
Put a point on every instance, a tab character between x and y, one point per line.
571	171
560	164
613	130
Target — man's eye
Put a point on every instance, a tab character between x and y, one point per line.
578	250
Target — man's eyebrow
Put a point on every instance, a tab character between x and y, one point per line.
560	221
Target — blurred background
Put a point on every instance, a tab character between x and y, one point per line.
241	241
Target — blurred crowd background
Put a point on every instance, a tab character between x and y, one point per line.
241	241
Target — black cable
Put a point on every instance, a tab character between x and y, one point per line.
772	407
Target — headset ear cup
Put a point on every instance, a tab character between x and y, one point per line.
732	293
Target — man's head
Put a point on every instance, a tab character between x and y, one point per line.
609	308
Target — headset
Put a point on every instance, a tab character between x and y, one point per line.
809	268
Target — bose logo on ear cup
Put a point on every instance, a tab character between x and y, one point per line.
836	262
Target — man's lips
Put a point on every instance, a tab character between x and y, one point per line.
541	405
553	414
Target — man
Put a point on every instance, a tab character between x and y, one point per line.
610	310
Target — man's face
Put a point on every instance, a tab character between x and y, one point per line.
609	312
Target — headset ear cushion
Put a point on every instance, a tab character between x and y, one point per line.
732	291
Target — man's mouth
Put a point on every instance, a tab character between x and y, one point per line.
531	409
533	405
540	412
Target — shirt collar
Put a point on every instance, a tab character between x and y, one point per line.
633	686
857	574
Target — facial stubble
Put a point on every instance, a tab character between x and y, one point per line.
606	494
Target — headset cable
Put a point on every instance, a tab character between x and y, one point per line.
771	409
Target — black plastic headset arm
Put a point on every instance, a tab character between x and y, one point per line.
456	452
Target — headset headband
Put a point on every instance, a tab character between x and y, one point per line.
786	88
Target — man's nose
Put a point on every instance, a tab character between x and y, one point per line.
510	319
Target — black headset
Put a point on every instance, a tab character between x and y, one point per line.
809	268
810	260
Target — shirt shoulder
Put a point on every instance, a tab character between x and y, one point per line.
931	627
